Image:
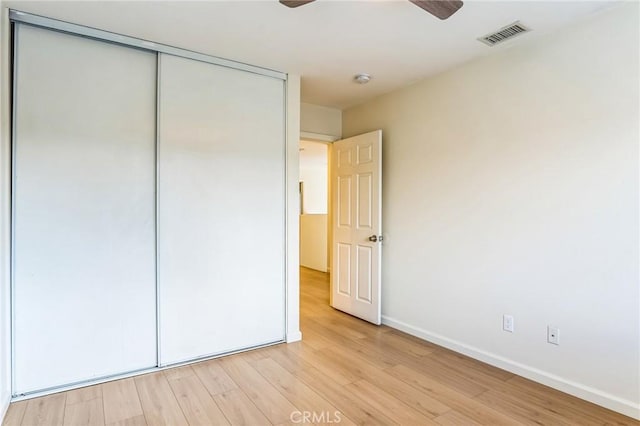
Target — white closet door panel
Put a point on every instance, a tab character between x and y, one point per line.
221	209
84	221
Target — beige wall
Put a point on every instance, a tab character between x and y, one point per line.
313	241
511	187
320	120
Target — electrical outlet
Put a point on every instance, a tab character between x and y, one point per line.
553	335
507	323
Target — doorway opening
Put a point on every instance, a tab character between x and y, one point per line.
341	229
314	206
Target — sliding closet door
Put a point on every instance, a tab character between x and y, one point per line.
221	209
84	209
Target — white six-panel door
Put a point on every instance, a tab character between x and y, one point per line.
83	210
356	187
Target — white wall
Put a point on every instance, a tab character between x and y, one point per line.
5	168
511	186
320	120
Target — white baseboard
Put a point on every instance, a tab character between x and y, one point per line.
612	402
294	336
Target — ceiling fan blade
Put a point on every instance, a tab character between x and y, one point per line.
295	3
441	9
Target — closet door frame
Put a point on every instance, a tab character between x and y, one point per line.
291	127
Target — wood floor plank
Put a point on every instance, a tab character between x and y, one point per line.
342	359
45	411
451	397
392	407
178	372
492	379
566	404
453	418
158	402
239	409
296	391
341	376
520	410
380	359
337	328
132	421
408	346
413	338
289	360
462	373
376	350
84	413
455	379
15	413
348	328
198	406
356	409
315	340
339	322
121	401
552	404
254	355
384	353
267	398
453	358
326	332
213	377
419	401
84	394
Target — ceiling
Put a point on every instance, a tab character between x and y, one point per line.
327	41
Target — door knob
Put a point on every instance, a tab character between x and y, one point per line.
375	238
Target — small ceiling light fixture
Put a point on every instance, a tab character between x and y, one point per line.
362	78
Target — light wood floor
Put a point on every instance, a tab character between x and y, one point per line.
366	374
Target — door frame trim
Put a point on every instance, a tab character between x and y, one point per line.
318	137
292	204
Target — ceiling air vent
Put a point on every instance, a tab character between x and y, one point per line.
504	33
